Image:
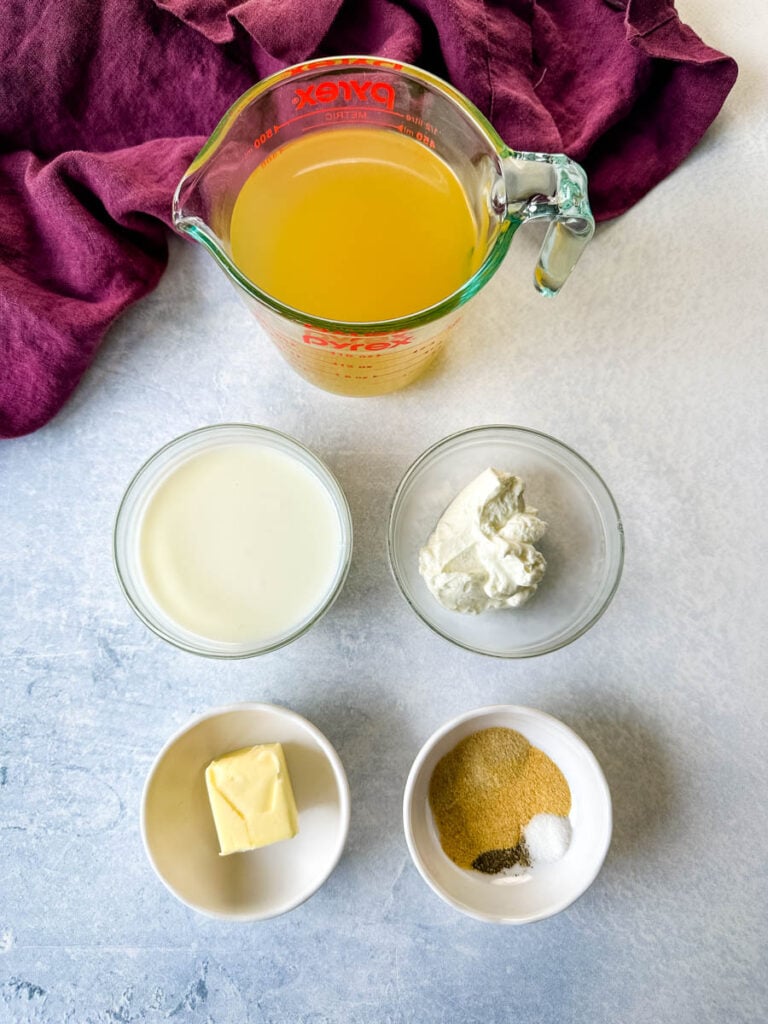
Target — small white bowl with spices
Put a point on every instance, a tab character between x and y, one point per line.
570	846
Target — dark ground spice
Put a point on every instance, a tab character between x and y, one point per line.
494	861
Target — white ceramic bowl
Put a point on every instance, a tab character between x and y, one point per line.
549	888
180	837
583	545
128	524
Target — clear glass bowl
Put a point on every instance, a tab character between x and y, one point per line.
134	504
583	545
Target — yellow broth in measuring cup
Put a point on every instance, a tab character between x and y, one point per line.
358	203
355	224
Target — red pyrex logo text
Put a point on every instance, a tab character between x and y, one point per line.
356	342
348	89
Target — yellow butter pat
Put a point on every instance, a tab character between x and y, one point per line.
251	798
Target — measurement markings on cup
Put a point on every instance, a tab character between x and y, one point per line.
407	124
350	113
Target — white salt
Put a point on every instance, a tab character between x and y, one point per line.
547	837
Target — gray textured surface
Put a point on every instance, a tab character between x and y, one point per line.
651	364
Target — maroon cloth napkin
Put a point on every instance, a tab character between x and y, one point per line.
103	103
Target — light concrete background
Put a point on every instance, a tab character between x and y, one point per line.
652	365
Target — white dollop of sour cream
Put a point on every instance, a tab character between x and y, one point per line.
481	554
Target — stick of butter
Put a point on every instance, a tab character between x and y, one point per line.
251	798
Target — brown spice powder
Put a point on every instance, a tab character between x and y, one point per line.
487	788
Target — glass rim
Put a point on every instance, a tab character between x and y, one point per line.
402	586
199	231
222	650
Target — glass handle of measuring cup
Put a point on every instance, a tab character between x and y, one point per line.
551	187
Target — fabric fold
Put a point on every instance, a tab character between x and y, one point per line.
287	39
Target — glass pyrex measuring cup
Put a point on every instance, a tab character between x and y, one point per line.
504	188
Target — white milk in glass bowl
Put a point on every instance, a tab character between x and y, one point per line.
232	540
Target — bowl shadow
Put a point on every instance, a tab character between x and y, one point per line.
640	774
376	745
